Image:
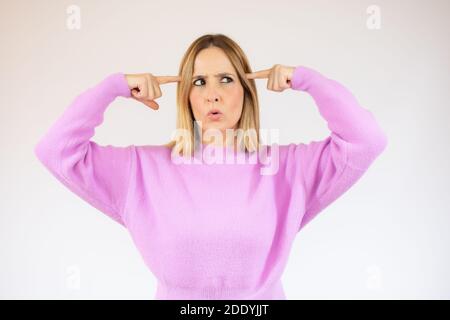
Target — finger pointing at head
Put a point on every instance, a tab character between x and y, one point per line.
263	74
167	79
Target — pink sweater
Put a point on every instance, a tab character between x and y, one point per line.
213	231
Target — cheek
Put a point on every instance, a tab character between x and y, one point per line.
195	99
235	98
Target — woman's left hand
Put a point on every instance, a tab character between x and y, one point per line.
279	77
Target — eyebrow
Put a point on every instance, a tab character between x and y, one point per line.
217	75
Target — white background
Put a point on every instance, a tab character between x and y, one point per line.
387	237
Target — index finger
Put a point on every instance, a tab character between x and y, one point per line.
167	79
259	74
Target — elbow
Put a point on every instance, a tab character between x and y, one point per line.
375	147
374	141
373	138
40	152
46	154
361	155
379	143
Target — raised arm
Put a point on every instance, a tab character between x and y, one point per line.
98	174
331	166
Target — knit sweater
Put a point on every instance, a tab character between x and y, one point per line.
213	230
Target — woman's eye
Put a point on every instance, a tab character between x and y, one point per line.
196	81
231	80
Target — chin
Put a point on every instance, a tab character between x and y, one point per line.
215	126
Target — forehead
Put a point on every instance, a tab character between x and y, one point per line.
211	61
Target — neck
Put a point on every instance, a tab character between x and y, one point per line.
221	143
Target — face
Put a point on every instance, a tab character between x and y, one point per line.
215	86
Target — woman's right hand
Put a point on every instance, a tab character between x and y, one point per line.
145	87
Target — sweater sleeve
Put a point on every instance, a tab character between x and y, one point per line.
329	167
98	174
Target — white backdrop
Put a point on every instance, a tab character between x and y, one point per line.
387	237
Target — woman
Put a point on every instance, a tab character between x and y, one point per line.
213	230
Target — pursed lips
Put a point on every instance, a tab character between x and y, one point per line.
214	111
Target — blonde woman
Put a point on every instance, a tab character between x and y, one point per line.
220	229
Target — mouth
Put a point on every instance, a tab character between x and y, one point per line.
214	114
214	111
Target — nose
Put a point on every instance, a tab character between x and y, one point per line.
212	95
213	99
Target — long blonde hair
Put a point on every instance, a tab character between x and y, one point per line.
249	120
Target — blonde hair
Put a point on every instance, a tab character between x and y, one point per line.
248	123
